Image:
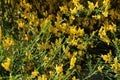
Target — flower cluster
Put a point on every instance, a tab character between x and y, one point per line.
59	39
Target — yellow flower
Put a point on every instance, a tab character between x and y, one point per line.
8	42
6	65
72	30
73	78
72	62
58	17
103	36
91	5
51	73
66	51
81	53
28	55
105	13
82	46
107	58
102	32
74	42
46	60
97	17
112	28
96	4
44	77
106	2
75	2
26	37
35	73
64	9
20	23
80	7
100	68
72	17
116	41
116	65
59	69
73	11
80	31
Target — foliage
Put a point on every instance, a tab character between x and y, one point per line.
59	39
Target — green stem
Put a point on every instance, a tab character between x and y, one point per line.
86	78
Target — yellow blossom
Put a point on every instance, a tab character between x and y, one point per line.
107	58
97	17
116	65
74	53
72	17
66	51
44	77
59	69
46	60
102	32
44	23
20	23
75	2
26	37
6	65
64	9
80	7
91	5
73	11
72	30
50	17
93	33
28	55
105	13
8	42
112	28
81	53
103	36
106	2
35	73
96	4
112	14
63	27
116	41
100	68
51	73
73	78
72	62
82	46
80	32
74	42
58	17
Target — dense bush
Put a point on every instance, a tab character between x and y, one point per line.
59	39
